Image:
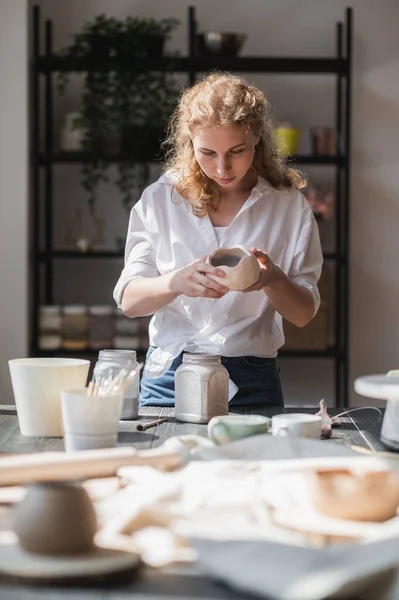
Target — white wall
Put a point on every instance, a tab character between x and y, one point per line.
285	27
13	187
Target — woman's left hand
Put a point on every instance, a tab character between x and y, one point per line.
267	271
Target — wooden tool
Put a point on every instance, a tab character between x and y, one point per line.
56	466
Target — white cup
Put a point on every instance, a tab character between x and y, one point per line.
90	422
37	383
297	424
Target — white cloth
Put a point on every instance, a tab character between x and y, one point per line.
217	514
165	235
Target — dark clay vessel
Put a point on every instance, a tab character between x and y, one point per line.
56	518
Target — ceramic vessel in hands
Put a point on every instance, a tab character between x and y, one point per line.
239	264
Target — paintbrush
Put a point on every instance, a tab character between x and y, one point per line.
145	426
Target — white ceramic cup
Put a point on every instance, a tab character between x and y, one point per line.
297	424
37	383
90	422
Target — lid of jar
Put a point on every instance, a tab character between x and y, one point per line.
115	353
192	357
47	309
75	309
101	309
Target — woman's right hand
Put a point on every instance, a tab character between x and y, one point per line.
192	280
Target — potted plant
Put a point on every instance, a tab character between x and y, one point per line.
122	94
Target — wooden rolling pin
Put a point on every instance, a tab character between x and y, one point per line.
20	469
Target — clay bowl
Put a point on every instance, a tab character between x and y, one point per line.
239	264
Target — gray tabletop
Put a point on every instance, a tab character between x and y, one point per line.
361	428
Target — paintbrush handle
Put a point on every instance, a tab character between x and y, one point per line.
123	385
145	426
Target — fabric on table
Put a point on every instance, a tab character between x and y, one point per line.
213	512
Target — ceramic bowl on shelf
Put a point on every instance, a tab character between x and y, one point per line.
240	265
220	43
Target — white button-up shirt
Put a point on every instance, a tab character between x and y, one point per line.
165	235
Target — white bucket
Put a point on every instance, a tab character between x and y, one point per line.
37	383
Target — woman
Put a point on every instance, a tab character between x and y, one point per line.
225	184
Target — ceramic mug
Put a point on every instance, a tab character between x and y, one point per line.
297	424
228	428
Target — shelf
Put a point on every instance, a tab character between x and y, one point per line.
43	256
341	259
327	353
138	148
88	353
308	159
248	64
64	157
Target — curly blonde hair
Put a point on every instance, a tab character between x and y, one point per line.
222	99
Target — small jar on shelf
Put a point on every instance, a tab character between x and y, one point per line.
125	326
144	324
101	326
75	327
49	327
127	341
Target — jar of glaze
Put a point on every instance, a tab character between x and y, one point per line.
201	388
75	327
101	330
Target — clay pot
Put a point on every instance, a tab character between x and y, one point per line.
56	519
240	265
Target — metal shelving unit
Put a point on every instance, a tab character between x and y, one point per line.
44	158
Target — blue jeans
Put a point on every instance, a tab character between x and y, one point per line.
257	379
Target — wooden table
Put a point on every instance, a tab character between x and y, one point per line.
361	428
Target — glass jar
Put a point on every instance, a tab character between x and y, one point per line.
109	363
125	326
201	388
49	327
101	326
50	319
75	325
124	341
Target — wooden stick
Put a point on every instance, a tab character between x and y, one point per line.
377	453
20	469
150	424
